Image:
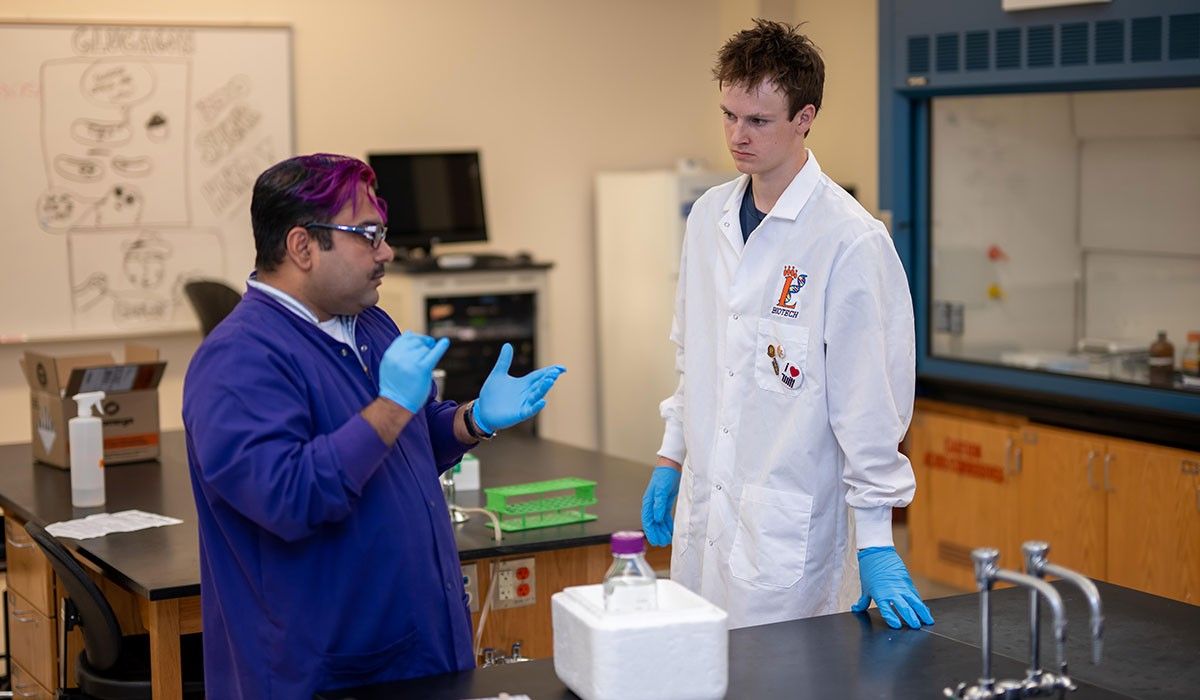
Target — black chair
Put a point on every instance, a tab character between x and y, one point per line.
110	666
211	300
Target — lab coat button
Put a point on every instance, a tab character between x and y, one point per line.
731	373
736	316
718	487
725	429
710	543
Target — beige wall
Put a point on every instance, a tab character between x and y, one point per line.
845	137
550	91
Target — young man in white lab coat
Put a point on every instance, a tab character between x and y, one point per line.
795	350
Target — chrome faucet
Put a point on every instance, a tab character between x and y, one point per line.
515	657
987	573
1036	564
492	658
448	490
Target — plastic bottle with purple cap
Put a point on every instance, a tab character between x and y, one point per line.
630	584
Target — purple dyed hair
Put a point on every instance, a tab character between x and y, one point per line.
302	190
333	181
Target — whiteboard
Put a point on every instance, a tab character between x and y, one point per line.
129	153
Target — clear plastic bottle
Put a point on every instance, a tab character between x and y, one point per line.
630	584
86	435
1190	363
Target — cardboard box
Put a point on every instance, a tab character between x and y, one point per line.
130	404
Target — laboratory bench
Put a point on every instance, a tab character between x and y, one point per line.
152	576
1151	651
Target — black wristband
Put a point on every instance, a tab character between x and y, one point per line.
472	428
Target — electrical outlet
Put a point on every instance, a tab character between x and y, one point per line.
471	585
515	584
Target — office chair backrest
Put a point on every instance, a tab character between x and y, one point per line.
101	633
212	301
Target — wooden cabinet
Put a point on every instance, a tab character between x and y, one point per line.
1153	520
1062	500
32	615
921	543
31	639
530	625
965	495
556	569
24	685
1114	510
28	571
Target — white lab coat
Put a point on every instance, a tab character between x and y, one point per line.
773	467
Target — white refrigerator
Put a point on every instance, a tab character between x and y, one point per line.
640	219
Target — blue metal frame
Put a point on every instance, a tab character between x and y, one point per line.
904	162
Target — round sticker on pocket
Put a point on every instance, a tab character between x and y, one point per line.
791	376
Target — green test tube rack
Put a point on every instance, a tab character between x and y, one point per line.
523	507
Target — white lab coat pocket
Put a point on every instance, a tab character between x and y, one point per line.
780	357
771	543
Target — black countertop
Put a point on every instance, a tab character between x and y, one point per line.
157	563
518	459
160	563
1152	650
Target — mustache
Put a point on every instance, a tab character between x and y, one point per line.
379	270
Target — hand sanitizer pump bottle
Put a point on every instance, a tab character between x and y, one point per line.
87	452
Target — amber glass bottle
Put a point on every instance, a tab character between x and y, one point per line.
1189	364
1162	361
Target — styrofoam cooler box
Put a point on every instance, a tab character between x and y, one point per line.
678	652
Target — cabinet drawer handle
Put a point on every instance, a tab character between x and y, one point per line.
1107	480
1091	458
1008	445
1198	499
18	545
26	615
1017	461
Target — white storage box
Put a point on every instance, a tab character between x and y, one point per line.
678	652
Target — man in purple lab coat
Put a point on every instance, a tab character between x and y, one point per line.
327	558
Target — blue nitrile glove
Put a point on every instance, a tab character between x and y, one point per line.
885	578
406	370
658	505
505	400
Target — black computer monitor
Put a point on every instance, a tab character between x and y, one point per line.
431	198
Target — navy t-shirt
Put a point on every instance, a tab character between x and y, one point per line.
750	216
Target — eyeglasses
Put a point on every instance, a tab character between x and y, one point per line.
375	233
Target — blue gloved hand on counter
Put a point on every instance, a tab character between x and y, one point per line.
658	505
885	579
505	400
406	370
